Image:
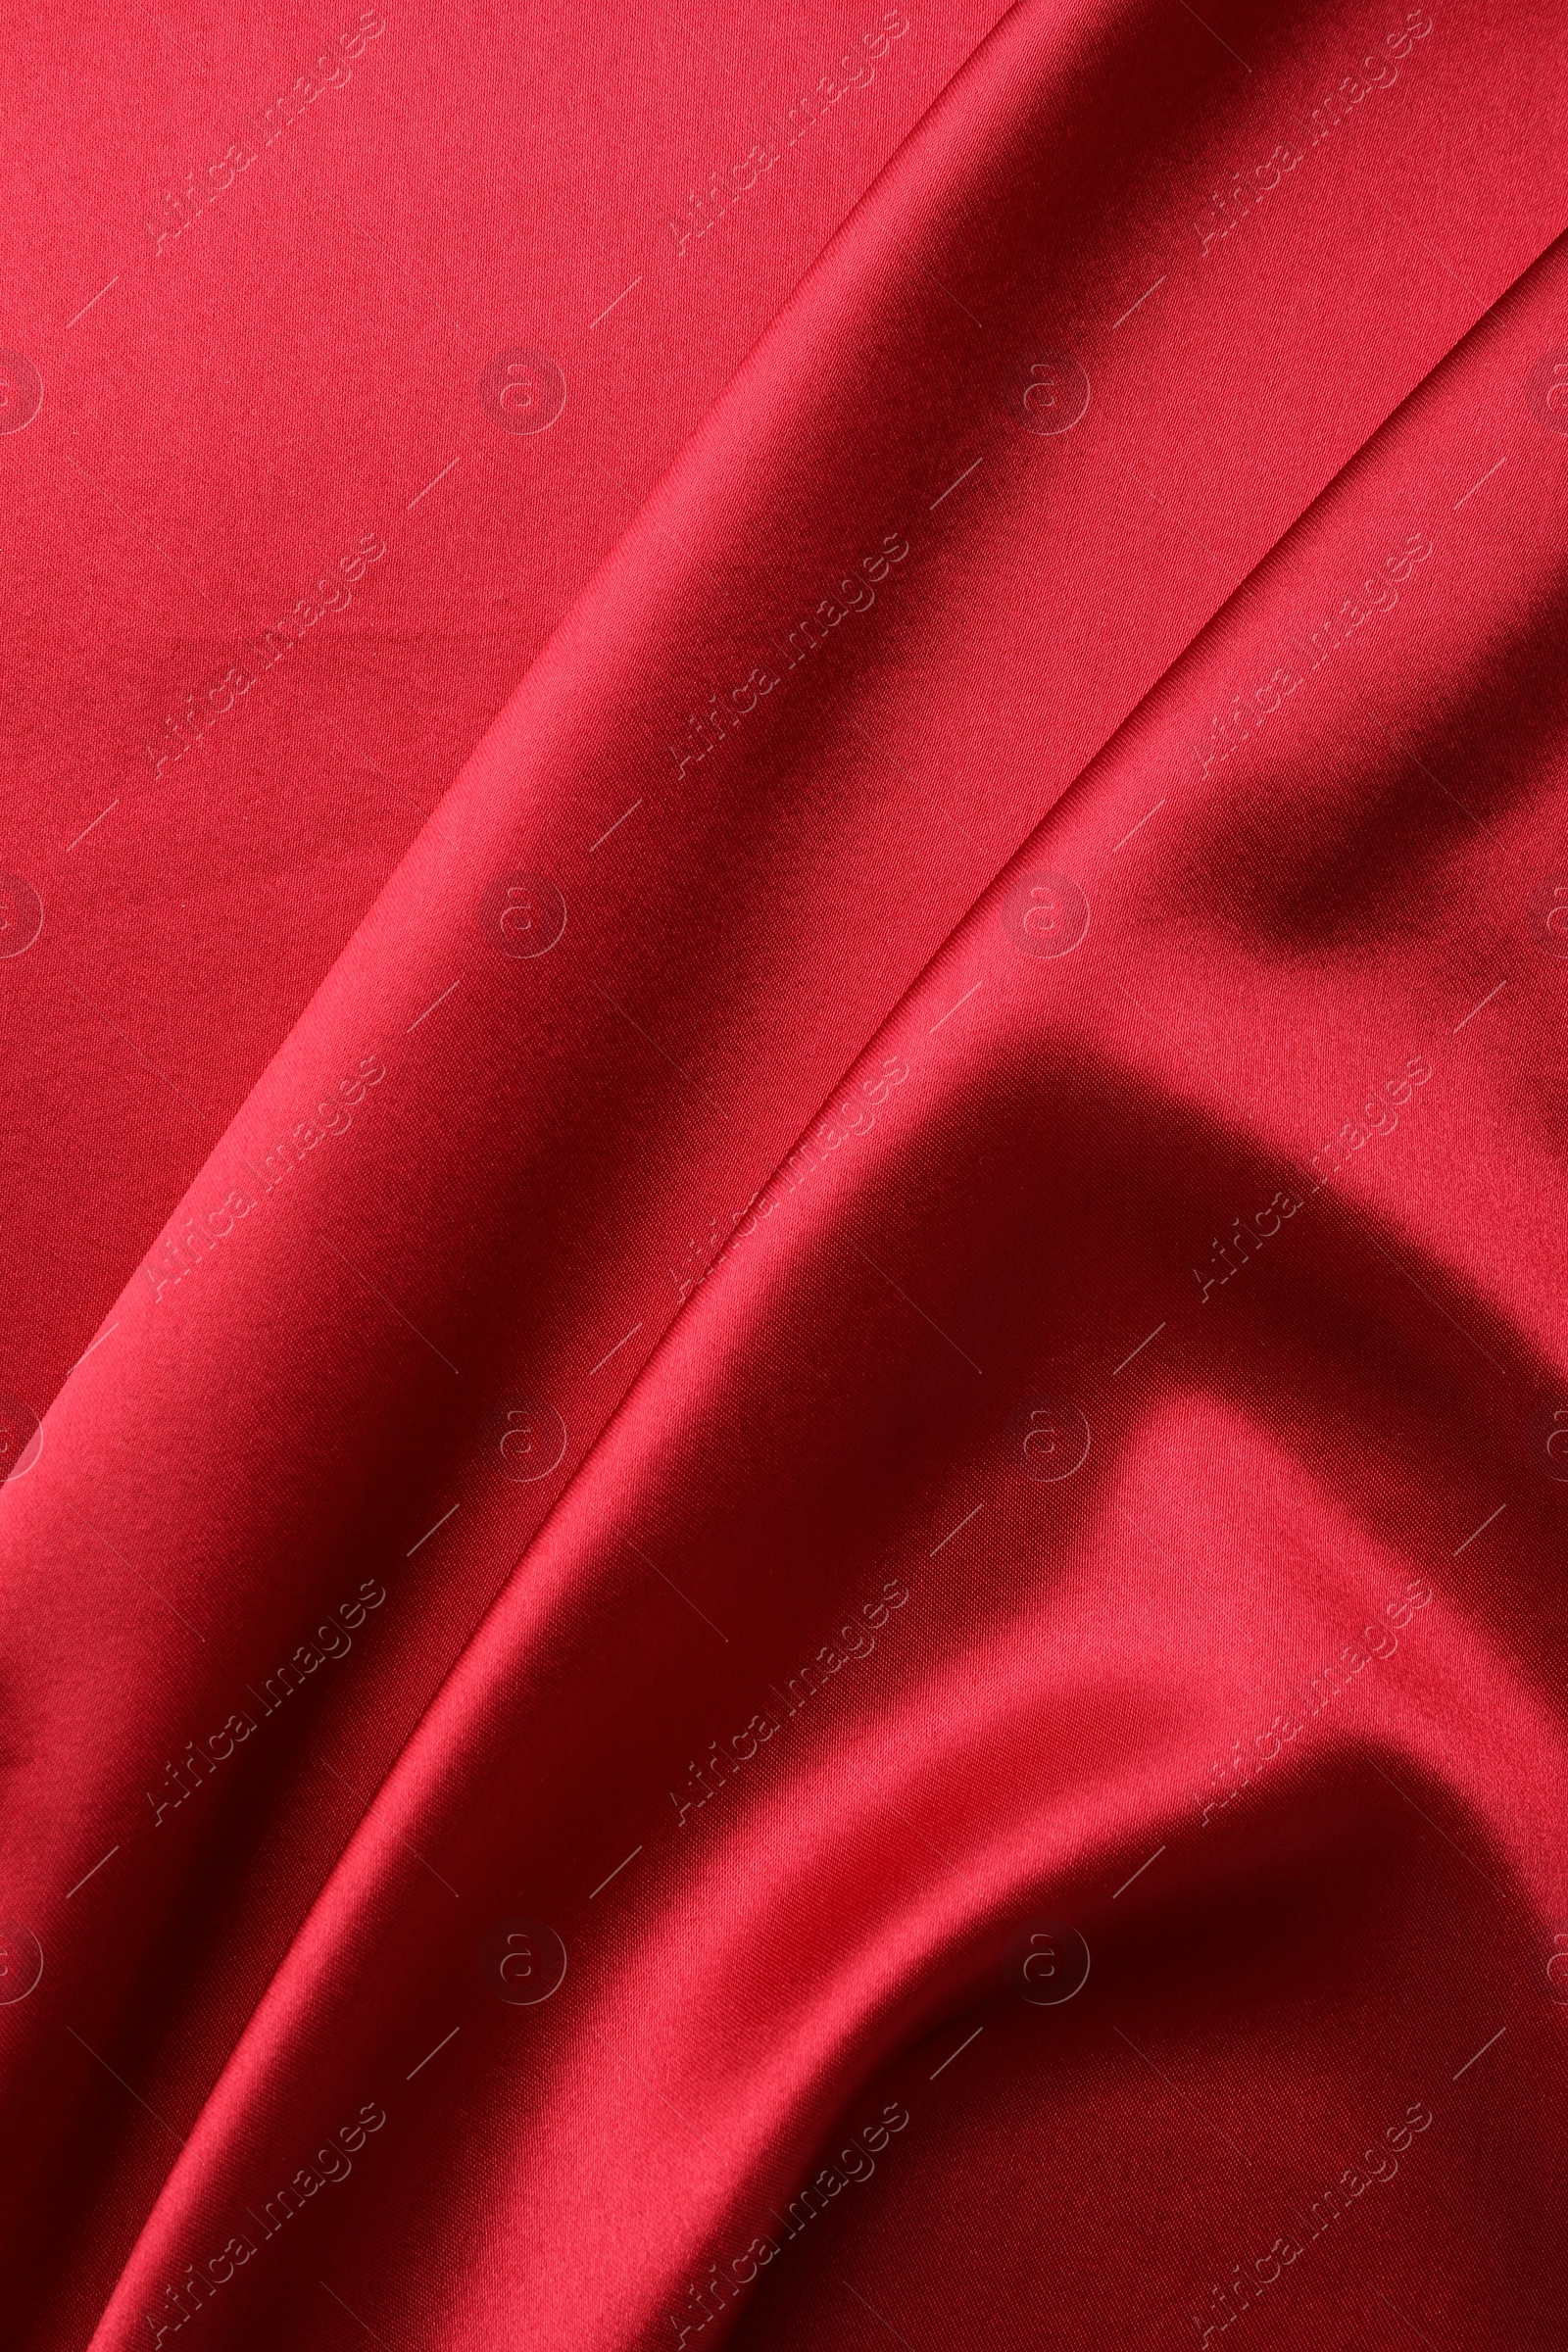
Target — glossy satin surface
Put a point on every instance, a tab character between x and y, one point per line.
791	1236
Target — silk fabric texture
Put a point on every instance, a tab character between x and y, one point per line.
796	1574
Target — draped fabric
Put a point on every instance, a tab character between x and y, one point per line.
783	931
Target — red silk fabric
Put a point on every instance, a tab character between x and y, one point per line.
784	919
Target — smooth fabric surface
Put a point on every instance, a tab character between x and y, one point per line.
783	918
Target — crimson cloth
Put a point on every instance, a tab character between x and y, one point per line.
783	923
